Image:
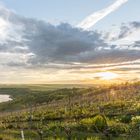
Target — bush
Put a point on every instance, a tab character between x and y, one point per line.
10	126
116	128
138	107
80	127
126	119
136	119
99	122
136	122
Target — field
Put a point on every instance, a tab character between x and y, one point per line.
71	112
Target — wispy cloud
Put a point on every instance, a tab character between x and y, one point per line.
97	16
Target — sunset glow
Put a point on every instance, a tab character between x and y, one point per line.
107	75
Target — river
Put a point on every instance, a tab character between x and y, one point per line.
5	98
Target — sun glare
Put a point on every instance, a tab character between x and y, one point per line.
107	75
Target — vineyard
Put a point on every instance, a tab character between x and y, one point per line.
71	112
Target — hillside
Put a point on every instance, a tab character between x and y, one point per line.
75	112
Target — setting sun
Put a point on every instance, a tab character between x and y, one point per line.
107	75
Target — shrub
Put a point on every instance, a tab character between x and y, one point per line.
126	119
87	121
136	119
98	122
80	127
138	107
10	126
116	128
136	122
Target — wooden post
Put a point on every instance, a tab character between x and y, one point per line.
69	103
22	135
30	116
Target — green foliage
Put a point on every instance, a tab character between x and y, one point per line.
116	128
99	122
125	118
136	120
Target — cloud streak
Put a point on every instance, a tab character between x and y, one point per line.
91	20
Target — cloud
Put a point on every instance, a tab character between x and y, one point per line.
125	30
33	51
128	29
91	20
124	37
62	44
32	43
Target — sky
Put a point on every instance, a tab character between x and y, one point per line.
52	41
72	11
